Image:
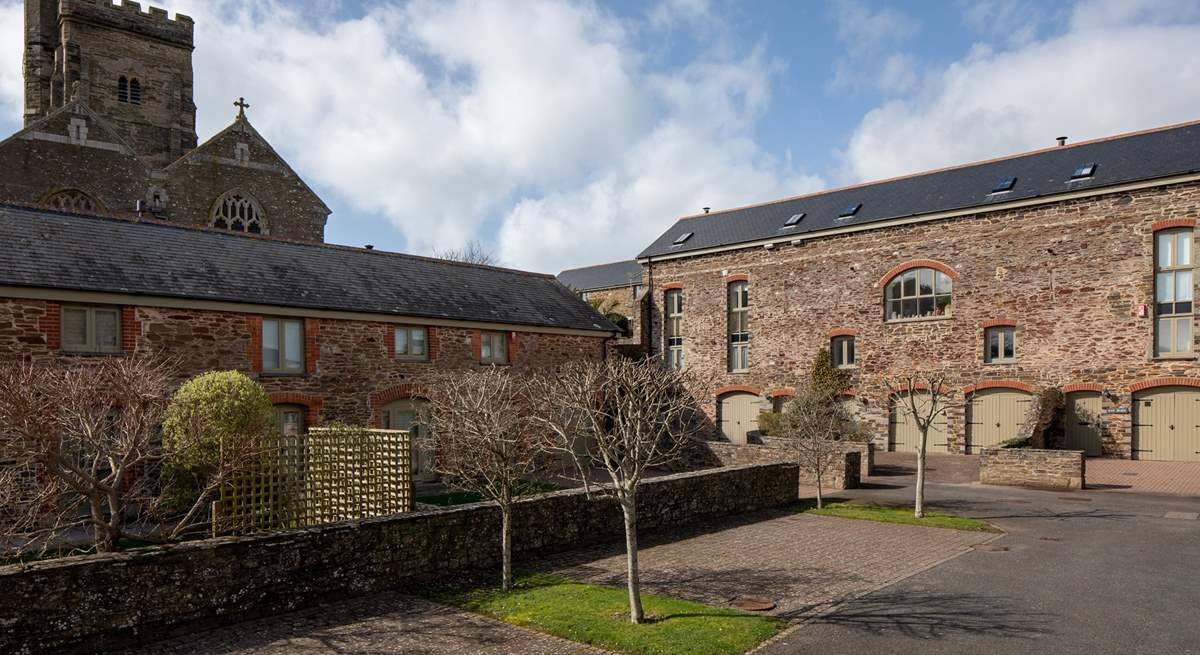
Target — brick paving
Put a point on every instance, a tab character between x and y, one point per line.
383	624
803	562
1167	478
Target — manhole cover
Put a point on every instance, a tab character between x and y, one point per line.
1128	473
753	604
989	548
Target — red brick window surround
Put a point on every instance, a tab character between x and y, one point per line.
381	399
999	384
50	325
1083	386
919	289
431	346
494	348
1164	382
1171	223
254	349
310	402
90	329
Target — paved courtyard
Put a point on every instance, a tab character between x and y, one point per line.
1122	475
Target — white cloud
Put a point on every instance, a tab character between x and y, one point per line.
12	49
869	36
1100	78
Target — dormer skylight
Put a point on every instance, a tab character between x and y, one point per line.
794	220
1005	184
1084	171
681	239
850	211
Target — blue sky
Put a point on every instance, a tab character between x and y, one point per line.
564	133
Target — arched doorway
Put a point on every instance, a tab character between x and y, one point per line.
737	414
994	416
1082	422
1166	424
903	434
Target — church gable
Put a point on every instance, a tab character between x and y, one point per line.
237	181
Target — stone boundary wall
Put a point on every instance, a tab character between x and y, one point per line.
100	602
1029	467
846	475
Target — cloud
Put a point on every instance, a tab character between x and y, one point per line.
1129	71
868	37
12	49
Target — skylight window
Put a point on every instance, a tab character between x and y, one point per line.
794	220
1084	171
850	211
681	239
1005	184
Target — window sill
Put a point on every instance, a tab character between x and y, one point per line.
495	363
1000	362
921	319
1189	357
409	360
852	367
743	371
282	374
91	353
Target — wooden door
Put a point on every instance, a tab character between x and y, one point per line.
1166	424
994	416
1083	423
737	414
903	435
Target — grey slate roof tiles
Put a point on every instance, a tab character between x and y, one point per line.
603	276
41	248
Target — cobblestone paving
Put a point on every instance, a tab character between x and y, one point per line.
1168	478
384	624
803	562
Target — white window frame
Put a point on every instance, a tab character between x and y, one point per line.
402	342
281	345
673	327
903	301
489	344
738	322
1003	333
281	413
91	342
1174	293
842	352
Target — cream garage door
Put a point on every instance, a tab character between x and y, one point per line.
737	414
903	435
1082	422
994	416
1166	424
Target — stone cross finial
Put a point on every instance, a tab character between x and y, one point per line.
242	106
75	90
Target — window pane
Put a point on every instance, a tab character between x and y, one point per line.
1183	335
1164	287
944	285
943	304
910	283
107	328
893	311
925	277
926	306
908	308
1183	253
485	347
293	357
1010	343
500	347
1183	286
74	328
836	349
418	342
271	345
401	341
850	351
992	348
893	289
1164	335
1165	242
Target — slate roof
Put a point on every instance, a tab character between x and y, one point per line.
603	276
47	249
1139	156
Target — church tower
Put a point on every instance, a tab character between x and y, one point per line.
132	68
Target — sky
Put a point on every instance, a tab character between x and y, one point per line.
566	133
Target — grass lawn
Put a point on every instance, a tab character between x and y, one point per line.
599	616
892	514
464	497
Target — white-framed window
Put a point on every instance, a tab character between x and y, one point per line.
918	293
1173	293
290	419
91	329
1000	344
493	347
412	343
841	351
739	326
282	345
674	328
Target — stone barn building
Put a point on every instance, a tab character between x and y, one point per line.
616	288
1069	269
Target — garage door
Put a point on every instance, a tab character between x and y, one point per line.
903	435
1082	422
994	416
1166	424
737	414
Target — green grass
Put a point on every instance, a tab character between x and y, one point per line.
894	514
599	616
464	497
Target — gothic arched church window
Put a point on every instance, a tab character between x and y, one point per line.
129	90
239	212
72	200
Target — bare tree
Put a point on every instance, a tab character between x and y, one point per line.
479	434
620	417
472	253
815	427
923	397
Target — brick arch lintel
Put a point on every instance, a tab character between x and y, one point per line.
311	402
672	286
737	388
782	392
398	392
1083	386
737	277
842	332
998	322
1172	223
1164	382
915	263
999	384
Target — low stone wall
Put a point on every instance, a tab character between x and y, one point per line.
847	474
1029	467
99	602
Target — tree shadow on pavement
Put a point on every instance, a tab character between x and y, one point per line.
933	615
1005	509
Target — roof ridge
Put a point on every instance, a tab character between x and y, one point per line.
932	171
159	223
584	268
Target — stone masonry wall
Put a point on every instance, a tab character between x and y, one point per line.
1027	467
1076	276
99	602
846	474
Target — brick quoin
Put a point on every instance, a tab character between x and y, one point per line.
50	325
312	346
1172	223
998	384
254	346
848	392
916	263
130	329
512	347
1164	382
1083	386
310	402
477	344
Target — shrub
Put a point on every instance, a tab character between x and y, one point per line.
824	378
1016	442
768	423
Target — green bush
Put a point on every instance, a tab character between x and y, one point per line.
824	378
768	423
1016	442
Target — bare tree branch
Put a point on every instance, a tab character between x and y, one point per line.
472	253
925	397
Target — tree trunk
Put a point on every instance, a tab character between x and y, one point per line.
919	505
506	548
820	500
629	508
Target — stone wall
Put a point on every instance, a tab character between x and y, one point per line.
846	474
1028	467
1052	269
85	604
626	302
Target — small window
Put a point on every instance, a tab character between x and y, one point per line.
123	89
290	419
679	241
1005	184
1000	345
1084	171
412	343
674	329
493	348
794	220
91	329
283	345
739	326
850	211
918	293
135	92
841	351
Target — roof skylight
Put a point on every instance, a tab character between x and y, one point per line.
1005	184
1084	171
794	220
681	239
850	211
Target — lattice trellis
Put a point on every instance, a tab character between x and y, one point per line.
327	475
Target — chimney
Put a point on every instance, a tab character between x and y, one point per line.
1062	140
707	209
369	247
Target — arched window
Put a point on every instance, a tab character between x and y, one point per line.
129	90
918	293
72	200
135	91
239	212
123	89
